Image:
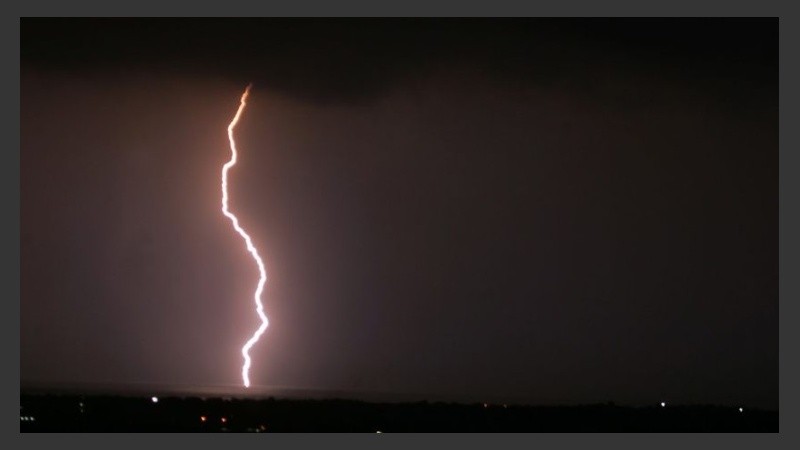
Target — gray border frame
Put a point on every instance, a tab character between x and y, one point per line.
788	201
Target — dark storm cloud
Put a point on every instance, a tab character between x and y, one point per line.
531	210
352	58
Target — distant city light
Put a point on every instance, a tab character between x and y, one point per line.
223	420
741	410
663	404
485	405
203	418
379	432
154	399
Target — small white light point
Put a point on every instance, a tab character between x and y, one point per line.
741	410
154	399
379	432
663	404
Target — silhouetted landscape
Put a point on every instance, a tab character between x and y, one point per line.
106	413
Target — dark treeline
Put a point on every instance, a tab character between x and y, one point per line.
75	413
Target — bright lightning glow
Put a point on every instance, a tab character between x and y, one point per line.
250	247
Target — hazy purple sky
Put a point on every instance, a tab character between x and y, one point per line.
533	211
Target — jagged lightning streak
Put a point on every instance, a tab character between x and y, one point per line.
250	247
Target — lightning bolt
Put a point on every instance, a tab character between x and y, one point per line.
250	247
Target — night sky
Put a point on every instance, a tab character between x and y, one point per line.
534	211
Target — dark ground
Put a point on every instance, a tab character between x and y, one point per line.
95	413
